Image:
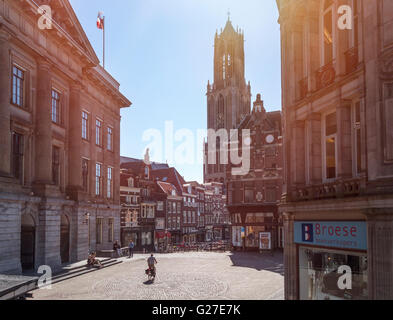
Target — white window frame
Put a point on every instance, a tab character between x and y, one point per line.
85	128
109	138
109	191
98	186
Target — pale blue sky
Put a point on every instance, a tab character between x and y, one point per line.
161	52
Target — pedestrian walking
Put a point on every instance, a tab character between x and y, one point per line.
131	246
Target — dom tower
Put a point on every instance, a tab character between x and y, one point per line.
228	98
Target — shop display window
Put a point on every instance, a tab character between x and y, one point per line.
319	276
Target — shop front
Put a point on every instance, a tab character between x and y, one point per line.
161	240
143	238
332	260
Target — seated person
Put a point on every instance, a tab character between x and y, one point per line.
92	261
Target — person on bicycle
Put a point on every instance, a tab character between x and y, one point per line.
151	261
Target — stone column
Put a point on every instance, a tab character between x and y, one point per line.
290	268
380	253
344	142
5	98
48	233
75	141
43	127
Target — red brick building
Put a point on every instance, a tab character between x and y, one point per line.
253	198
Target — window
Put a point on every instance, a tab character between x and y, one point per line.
56	165
85	175
56	112
184	217
146	238
160	206
178	223
85	125
271	195
328	32
249	196
110	139
146	172
357	138
17	156
150	212
223	68
169	207
110	183
330	145
110	230
98	132
99	230
98	179
130	182
174	207
18	77
178	207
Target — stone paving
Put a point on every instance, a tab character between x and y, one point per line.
180	276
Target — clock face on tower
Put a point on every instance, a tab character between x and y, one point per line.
270	139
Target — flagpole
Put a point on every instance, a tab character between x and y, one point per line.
103	33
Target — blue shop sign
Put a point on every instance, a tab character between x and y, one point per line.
336	234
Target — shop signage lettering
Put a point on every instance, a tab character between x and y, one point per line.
337	234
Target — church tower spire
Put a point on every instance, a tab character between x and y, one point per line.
229	96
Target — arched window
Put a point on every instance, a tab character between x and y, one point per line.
146	173
328	32
220	113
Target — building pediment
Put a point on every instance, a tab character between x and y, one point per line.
65	25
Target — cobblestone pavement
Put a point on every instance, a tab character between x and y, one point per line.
180	276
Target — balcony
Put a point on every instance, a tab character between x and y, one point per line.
336	189
325	76
351	60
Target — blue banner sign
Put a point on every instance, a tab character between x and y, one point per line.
336	234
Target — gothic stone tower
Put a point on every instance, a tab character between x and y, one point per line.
229	97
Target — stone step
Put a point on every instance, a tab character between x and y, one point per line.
65	271
81	272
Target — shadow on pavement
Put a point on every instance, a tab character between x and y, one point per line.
148	282
258	261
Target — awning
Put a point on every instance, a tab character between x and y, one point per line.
162	234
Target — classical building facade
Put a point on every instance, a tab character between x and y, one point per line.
253	197
337	86
228	98
60	140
